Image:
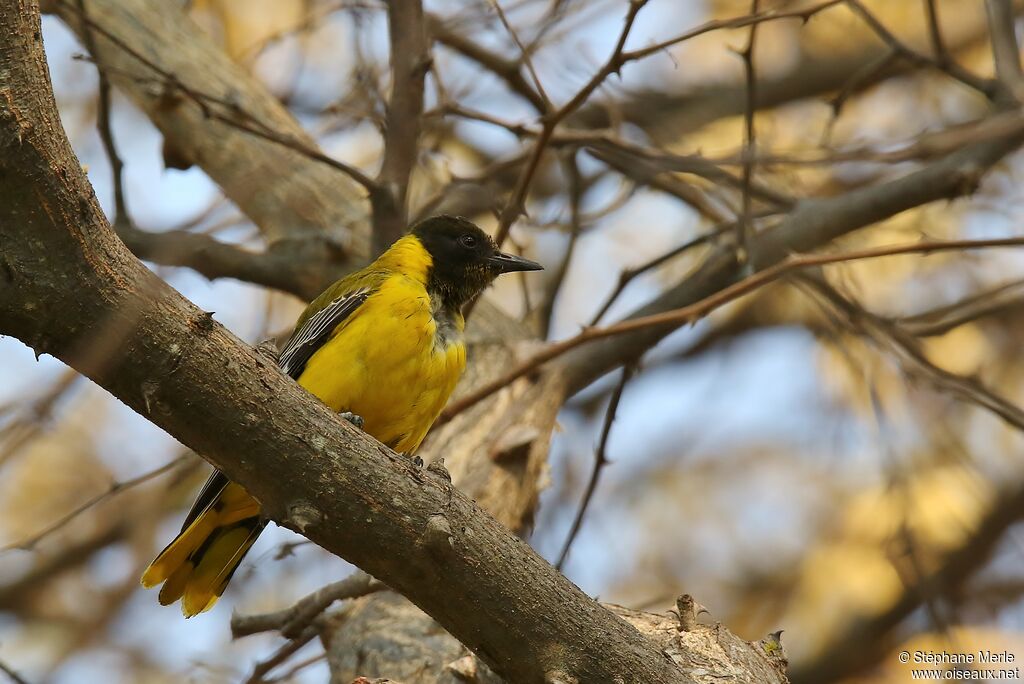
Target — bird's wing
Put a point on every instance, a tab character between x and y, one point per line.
317	329
312	332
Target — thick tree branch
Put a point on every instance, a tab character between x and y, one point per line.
665	116
285	192
1005	50
410	60
66	281
303	265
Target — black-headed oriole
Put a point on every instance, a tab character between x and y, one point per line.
385	344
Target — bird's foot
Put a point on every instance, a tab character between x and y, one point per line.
352	418
417	461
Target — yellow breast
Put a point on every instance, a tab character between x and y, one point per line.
392	362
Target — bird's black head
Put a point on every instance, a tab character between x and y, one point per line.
465	258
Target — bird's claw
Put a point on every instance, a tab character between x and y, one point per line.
417	461
352	418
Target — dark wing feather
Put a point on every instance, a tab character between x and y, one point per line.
317	329
215	484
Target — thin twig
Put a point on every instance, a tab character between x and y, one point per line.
29	543
207	104
575	191
525	53
628	275
940	320
289	674
104	126
600	461
913	360
642	172
866	74
688	314
516	203
293	621
506	69
261	669
987	87
11	673
733	23
662	161
745	226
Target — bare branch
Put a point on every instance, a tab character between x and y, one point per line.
410	60
516	203
688	314
1005	50
751	19
303	265
284	191
814	222
940	320
293	621
527	60
600	461
985	86
506	69
746	228
11	673
115	488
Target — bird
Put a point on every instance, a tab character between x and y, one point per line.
383	347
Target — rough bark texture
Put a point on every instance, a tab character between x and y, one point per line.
70	288
386	636
383	636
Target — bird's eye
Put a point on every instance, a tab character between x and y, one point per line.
467	241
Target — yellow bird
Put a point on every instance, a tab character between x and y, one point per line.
384	347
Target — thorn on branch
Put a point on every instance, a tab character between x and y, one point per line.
204	322
438	538
773	648
687	613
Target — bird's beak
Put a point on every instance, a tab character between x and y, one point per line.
508	263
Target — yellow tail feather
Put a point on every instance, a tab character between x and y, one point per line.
177	553
198	564
174	586
207	582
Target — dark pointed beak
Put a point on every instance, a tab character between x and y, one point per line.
508	263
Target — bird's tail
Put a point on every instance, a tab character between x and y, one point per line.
198	564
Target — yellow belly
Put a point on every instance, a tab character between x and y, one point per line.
384	364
